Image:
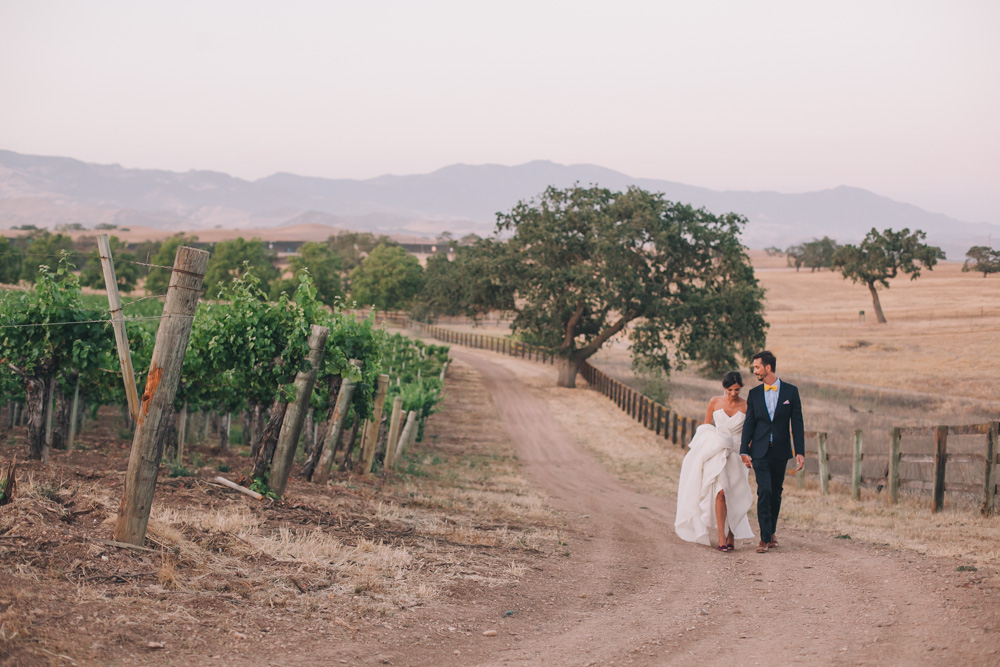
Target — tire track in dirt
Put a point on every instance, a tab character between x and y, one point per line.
631	592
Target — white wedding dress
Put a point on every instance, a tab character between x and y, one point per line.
711	465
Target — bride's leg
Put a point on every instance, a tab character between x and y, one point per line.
720	515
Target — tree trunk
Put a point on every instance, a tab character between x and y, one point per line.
876	303
268	440
60	418
34	407
347	442
568	368
74	415
224	432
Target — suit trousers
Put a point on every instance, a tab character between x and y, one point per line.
769	471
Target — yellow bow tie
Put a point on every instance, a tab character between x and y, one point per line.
770	387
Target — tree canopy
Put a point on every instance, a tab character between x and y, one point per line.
882	256
230	259
982	259
581	265
351	248
319	261
387	279
815	254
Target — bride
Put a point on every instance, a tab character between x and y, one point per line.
713	490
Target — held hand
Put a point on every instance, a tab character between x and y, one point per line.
747	461
801	461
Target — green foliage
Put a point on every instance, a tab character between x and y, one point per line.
242	348
982	259
815	254
387	279
128	274
319	261
351	248
578	266
882	256
43	249
176	469
231	259
414	370
10	262
260	485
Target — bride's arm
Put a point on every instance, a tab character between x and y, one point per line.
710	415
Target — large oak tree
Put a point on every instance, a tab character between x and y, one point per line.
882	256
581	265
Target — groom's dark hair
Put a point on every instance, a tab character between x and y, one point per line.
766	358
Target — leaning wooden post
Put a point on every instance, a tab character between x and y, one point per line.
295	413
856	467
394	428
370	438
894	436
158	396
74	415
990	486
118	322
182	431
824	464
408	430
684	431
940	463
333	430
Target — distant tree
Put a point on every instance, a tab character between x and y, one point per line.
387	279
10	261
882	256
442	292
351	248
795	255
26	228
774	251
818	253
105	226
44	248
581	265
230	259
982	259
322	265
71	227
158	279
127	273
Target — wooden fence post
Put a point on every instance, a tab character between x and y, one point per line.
158	396
684	431
856	467
370	438
295	413
73	417
333	430
408	429
940	463
181	431
118	323
894	436
394	428
990	485
824	464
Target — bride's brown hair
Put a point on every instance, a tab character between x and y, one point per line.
731	378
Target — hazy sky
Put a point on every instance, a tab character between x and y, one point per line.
900	97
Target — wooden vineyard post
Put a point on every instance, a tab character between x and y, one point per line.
394	428
182	419
295	413
158	396
333	430
823	458
73	416
684	431
370	438
118	323
990	485
856	467
894	437
408	433
940	463
673	436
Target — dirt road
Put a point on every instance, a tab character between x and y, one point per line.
630	592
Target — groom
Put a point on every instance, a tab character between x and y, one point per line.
773	411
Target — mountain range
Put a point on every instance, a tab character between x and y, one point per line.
52	191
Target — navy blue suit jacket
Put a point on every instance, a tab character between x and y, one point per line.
758	428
